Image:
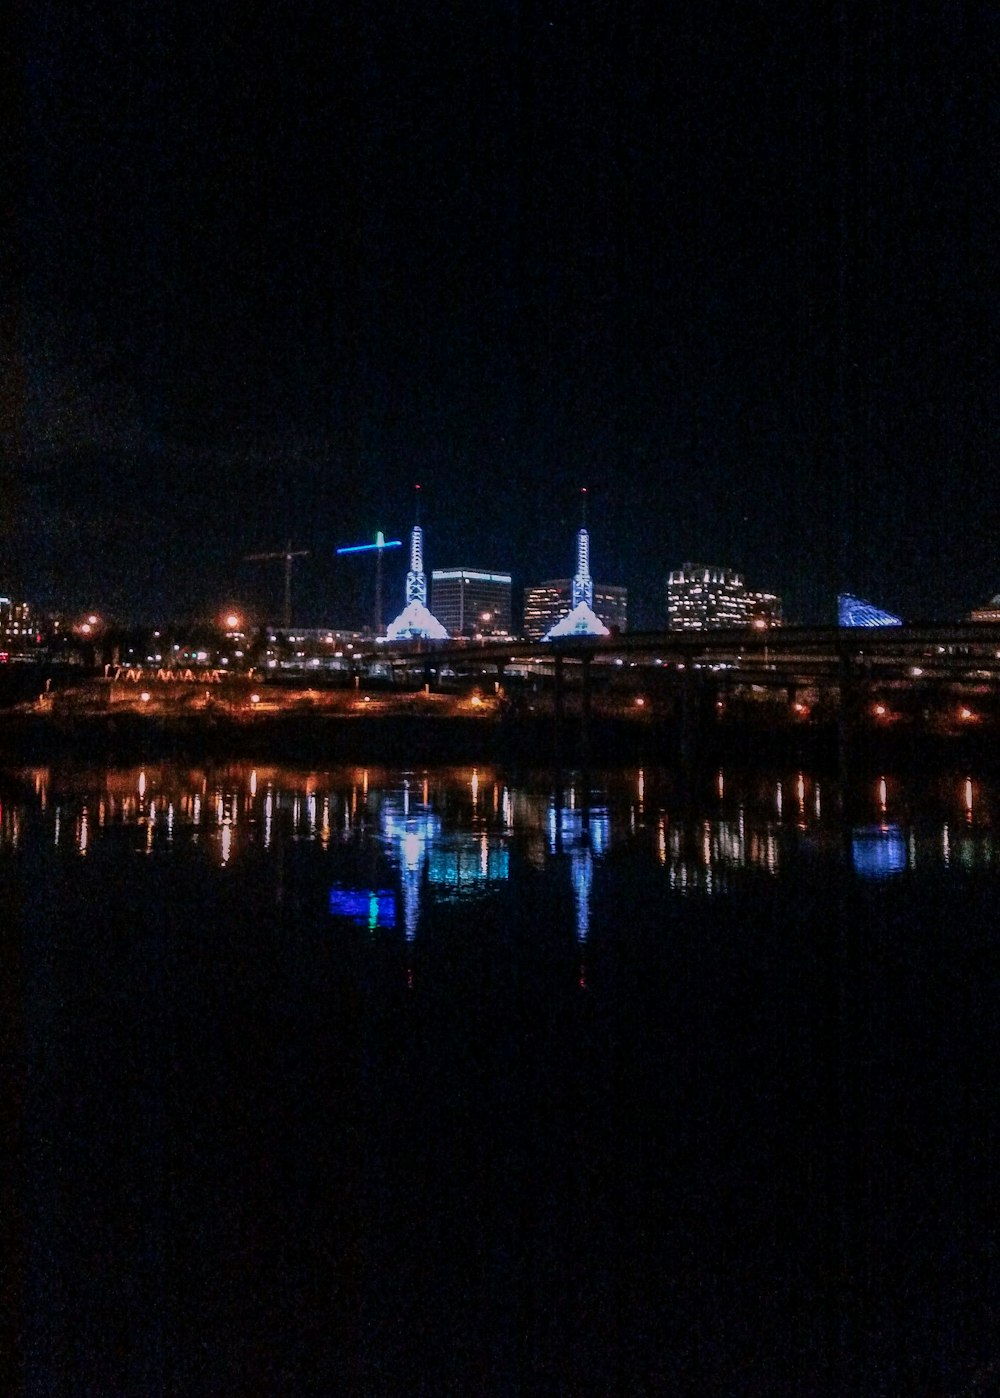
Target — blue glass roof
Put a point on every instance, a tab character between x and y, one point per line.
855	611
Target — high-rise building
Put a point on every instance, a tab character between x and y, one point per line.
548	602
764	610
703	598
17	627
472	602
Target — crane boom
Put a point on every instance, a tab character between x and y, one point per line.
288	554
378	548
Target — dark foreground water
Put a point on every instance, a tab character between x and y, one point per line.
462	1082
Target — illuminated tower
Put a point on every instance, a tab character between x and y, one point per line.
583	583
415	622
416	578
581	620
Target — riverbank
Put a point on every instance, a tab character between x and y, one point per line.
409	734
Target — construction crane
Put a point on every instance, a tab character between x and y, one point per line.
288	554
378	548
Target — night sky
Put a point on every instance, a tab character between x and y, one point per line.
729	265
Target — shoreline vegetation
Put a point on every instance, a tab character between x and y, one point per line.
106	722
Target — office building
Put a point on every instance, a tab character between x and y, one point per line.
704	598
547	603
19	628
544	604
471	602
764	610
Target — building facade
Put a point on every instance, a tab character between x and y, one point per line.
471	602
764	610
703	598
549	602
19	628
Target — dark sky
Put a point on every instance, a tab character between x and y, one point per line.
729	265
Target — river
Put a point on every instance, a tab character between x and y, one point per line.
474	1081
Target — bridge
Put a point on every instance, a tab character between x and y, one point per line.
859	683
776	656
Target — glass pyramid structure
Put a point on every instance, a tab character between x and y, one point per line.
855	611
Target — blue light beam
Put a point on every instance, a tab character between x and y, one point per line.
381	542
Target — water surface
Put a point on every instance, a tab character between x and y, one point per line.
472	1081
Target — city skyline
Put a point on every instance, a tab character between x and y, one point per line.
735	276
615	599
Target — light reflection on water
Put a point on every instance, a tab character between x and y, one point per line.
455	834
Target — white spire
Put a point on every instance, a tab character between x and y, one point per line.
583	585
415	620
416	578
